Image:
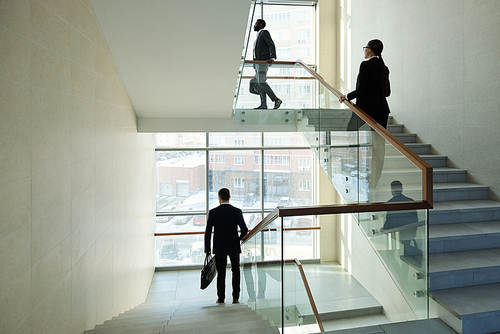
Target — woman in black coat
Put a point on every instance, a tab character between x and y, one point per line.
372	87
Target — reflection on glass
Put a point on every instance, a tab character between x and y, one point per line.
284	139
287	178
175	140
174	224
239	172
298	244
179	250
234	139
180	181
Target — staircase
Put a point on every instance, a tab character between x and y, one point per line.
464	246
186	317
464	234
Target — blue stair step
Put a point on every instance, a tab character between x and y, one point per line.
477	306
464	236
406	137
464	268
464	212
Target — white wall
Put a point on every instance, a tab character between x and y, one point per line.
445	74
76	180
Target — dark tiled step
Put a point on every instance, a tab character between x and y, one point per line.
464	268
477	306
411	175
464	236
464	211
406	137
442	191
418	148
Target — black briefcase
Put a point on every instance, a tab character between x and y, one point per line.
208	272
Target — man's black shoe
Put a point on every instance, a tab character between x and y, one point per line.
261	107
277	103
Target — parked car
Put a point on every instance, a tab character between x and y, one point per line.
284	201
199	220
169	250
249	200
182	220
197	252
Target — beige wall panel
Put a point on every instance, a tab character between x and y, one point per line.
14	65
50	230
49	271
15	15
104	167
49	69
15	302
82	176
15	205
53	314
49	30
15	254
82	50
82	208
82	81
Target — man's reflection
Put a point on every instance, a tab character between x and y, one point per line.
402	227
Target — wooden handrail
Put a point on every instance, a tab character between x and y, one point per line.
309	295
304	280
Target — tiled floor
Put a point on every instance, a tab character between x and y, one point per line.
333	289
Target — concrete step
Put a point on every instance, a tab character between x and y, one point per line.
477	307
449	212
464	268
464	236
221	325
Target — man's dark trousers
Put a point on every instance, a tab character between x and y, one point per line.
221	263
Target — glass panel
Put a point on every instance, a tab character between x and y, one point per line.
179	250
288	178
238	171
400	240
180	181
261	286
181	223
292	29
297	307
178	140
284	139
299	244
235	139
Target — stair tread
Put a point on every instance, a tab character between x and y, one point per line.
465	205
461	230
464	260
470	300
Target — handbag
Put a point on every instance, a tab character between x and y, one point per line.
208	271
254	87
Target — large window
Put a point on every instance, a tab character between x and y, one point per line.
261	170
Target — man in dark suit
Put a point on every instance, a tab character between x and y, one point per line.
225	220
264	49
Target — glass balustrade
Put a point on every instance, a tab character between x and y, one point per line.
364	166
273	287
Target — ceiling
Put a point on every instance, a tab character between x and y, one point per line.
177	58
